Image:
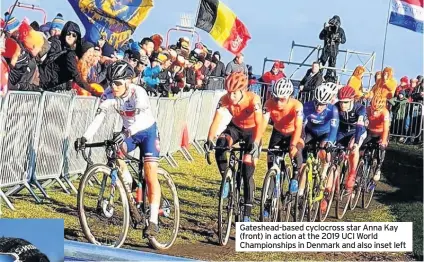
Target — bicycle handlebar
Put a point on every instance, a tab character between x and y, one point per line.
106	143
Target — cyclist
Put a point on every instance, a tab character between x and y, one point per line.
132	103
245	108
321	122
352	131
378	129
287	117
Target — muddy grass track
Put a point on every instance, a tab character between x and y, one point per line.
398	198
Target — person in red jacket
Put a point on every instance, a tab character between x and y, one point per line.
277	72
404	86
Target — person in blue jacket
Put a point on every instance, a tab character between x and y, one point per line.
321	122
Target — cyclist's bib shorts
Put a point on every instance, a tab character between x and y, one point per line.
237	134
311	138
345	138
148	141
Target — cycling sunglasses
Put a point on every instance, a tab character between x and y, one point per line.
73	34
317	104
117	83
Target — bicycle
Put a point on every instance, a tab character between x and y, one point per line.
344	196
233	180
336	172
118	205
309	203
278	201
365	184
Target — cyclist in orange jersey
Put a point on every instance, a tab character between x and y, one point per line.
378	129
245	108
287	115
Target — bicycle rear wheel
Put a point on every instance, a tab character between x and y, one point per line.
287	203
313	206
343	198
369	186
169	213
103	209
360	171
332	172
270	197
225	207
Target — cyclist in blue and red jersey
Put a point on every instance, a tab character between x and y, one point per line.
321	122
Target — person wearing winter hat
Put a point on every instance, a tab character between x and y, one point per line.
35	25
57	25
11	23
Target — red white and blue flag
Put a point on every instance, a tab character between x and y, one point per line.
408	14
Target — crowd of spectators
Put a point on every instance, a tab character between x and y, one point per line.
54	57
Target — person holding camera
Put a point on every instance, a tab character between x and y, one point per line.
333	35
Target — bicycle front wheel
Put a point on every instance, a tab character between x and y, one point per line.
169	213
270	197
225	207
359	185
369	186
343	196
329	198
103	209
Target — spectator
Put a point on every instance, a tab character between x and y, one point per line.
11	24
404	86
333	35
132	57
275	73
355	81
22	63
384	87
197	69
219	69
56	27
147	46
57	74
237	65
190	73
312	79
35	25
418	93
178	75
206	69
401	118
151	74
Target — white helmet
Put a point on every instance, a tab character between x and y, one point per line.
333	86
324	93
283	88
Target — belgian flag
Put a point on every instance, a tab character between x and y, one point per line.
223	25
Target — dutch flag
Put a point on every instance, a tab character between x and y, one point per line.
408	14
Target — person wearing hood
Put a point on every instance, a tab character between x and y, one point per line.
333	35
418	93
385	86
355	81
57	74
219	70
404	86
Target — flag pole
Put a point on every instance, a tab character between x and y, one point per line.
385	35
197	12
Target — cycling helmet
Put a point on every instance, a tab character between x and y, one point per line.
378	103
346	93
283	88
333	87
236	81
120	70
324	94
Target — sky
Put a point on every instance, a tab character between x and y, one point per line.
274	24
46	234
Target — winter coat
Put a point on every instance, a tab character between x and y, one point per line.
57	74
310	82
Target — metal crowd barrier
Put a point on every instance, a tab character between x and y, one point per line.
407	121
178	126
193	117
207	109
215	83
166	115
304	97
18	124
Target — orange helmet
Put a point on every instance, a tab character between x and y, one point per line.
236	81
378	103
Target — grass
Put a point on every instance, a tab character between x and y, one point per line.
398	198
